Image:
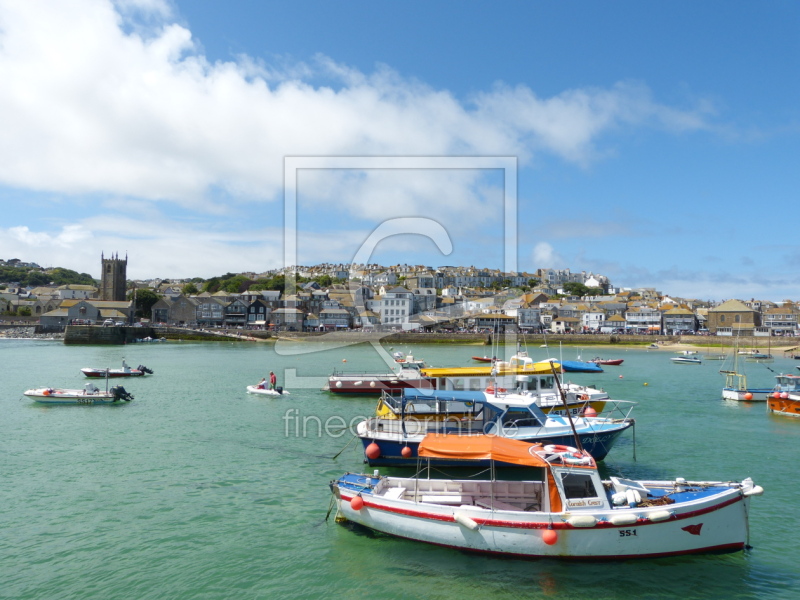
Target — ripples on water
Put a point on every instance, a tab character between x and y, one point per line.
194	490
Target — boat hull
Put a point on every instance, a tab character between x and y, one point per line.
715	524
786	407
112	373
374	384
59	396
254	389
755	395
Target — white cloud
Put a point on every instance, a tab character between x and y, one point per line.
544	256
96	102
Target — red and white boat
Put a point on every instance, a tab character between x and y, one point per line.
409	376
607	361
567	513
125	371
485	359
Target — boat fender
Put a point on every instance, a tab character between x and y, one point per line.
465	521
357	503
619	499
582	521
358	383
659	515
623	519
633	497
754	491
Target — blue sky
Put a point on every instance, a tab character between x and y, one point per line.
655	143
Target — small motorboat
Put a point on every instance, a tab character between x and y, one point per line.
265	391
87	395
407	360
686	360
607	361
566	512
125	371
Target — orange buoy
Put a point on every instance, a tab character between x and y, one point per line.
748	396
550	537
373	451
357	503
406	452
344	360
589	412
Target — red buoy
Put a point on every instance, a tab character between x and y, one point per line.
589	412
357	503
373	451
550	537
748	396
406	452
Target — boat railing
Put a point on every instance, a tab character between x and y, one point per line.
617	409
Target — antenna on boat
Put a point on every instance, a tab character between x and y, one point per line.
563	397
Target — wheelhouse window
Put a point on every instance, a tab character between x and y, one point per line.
578	485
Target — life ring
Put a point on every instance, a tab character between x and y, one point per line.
557	449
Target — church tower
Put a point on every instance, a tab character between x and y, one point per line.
113	278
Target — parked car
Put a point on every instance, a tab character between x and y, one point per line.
120	323
108	323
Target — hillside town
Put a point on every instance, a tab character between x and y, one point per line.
410	298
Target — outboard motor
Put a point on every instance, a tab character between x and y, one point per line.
120	394
144	369
279	389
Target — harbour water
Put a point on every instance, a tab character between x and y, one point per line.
198	490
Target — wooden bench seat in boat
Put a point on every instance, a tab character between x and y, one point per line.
395	493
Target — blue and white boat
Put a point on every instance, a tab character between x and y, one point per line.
394	442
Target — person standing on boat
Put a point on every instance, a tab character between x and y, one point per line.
272	380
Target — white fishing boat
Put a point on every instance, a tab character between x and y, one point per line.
569	512
89	394
265	391
737	388
686	360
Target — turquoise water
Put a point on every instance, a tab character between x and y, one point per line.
198	490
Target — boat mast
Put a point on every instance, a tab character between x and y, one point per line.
563	397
